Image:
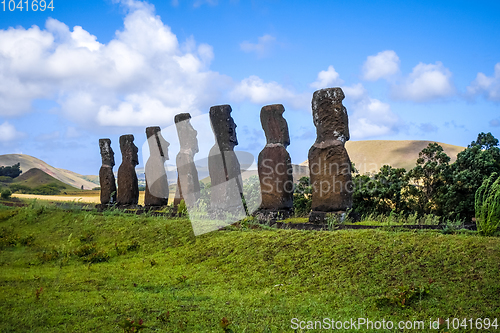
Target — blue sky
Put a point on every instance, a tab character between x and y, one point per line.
419	70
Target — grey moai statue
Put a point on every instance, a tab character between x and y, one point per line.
188	185
274	163
106	176
156	193
128	188
329	163
223	165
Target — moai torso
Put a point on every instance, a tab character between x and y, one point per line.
106	176
329	164
223	165
188	185
156	193
274	163
128	189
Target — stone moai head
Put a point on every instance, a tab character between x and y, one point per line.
223	127
129	149
274	125
107	154
155	139
329	115
187	134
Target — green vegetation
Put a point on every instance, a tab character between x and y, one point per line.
488	205
80	271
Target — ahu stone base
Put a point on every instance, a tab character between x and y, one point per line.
265	215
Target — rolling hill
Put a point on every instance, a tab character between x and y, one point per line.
35	177
29	162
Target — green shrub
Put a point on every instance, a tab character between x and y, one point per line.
6	194
5	179
487	205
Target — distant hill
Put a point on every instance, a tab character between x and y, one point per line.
29	162
371	155
35	177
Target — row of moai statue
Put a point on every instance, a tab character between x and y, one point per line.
329	164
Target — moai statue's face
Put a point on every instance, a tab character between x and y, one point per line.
231	130
223	126
274	125
329	115
157	142
107	154
129	149
187	134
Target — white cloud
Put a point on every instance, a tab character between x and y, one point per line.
9	133
262	48
486	85
382	65
368	117
425	83
257	91
327	79
143	76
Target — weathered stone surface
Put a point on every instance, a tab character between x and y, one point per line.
223	165
188	185
106	176
274	163
156	193
128	189
329	164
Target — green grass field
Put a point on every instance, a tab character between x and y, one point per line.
68	270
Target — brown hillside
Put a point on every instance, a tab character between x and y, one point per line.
29	162
371	155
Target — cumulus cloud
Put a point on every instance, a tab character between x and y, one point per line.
327	79
261	48
143	76
488	86
9	133
382	65
425	83
368	117
257	91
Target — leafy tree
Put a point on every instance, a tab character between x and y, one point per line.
487	205
302	199
429	178
6	194
478	161
11	171
382	193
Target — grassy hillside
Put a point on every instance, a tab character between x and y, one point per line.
371	155
28	162
78	271
36	177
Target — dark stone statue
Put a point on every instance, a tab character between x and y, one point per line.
128	189
275	166
156	193
329	164
106	176
223	165
188	185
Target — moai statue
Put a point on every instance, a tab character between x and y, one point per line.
188	185
223	166
329	164
275	166
128	188
106	176
156	193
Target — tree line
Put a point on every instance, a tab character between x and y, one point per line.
434	186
